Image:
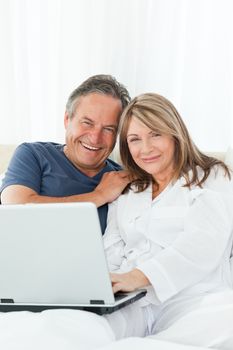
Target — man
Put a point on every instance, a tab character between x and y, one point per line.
79	171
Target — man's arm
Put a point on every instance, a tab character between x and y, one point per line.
110	187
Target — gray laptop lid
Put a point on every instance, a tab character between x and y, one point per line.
52	256
53	253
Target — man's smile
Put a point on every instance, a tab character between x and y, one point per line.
91	148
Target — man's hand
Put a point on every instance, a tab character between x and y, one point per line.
111	185
128	282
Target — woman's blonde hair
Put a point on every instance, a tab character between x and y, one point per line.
159	114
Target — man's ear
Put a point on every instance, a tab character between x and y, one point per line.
66	120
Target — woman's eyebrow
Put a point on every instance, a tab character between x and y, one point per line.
131	135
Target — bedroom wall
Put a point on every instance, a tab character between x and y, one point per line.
182	49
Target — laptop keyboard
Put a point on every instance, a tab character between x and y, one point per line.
120	295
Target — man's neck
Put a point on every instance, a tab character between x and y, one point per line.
90	172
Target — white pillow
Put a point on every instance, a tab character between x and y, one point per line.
1	178
229	157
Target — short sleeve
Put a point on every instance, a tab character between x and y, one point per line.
24	169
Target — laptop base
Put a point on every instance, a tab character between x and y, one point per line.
100	309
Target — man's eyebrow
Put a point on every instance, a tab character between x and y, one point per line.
87	118
111	126
114	126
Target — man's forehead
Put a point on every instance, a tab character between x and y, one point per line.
97	97
96	120
99	107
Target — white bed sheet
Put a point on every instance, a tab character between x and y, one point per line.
53	329
148	344
211	326
69	330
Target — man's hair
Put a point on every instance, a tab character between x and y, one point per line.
101	84
160	115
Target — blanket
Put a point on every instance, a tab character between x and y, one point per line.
210	326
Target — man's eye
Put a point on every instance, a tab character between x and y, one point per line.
86	122
109	130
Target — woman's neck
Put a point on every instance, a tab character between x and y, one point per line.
160	185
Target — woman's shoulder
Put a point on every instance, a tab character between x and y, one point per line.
132	199
218	180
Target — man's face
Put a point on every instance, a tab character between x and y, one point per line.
91	133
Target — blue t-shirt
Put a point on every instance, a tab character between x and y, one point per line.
43	167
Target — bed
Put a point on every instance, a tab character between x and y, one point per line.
70	329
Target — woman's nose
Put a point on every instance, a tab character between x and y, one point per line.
146	146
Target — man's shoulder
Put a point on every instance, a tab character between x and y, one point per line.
40	145
39	148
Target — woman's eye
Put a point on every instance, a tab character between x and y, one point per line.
155	134
133	140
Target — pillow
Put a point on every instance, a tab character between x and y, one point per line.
1	178
229	157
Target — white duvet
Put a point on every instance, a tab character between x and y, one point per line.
68	330
210	326
53	329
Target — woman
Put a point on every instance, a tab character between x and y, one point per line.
170	232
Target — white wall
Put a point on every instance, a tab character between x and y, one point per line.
182	49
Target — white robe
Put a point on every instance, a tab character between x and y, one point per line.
181	241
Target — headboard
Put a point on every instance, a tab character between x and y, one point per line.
6	151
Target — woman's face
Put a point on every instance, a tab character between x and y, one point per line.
152	152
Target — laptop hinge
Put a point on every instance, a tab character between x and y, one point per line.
7	301
96	301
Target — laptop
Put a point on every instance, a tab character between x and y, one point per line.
52	256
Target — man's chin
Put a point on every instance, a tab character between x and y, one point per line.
93	162
91	166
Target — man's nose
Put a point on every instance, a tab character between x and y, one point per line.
95	135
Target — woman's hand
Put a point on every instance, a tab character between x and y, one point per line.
129	281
